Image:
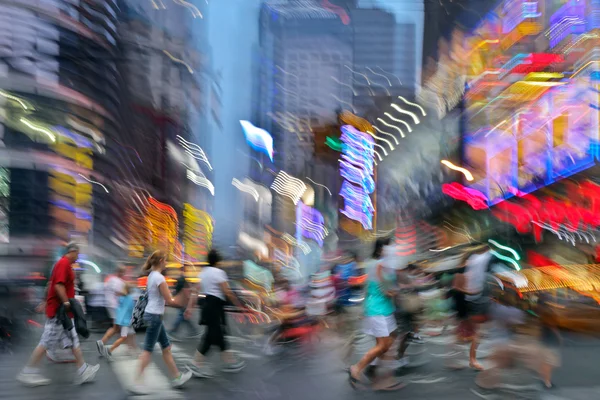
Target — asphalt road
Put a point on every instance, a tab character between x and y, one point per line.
314	371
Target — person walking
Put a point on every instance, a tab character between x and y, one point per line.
214	284
182	288
61	289
124	315
158	296
379	309
114	288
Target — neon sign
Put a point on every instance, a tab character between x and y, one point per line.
356	167
310	224
259	139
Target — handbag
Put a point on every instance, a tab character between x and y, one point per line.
137	319
410	303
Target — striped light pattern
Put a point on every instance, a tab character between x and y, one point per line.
288	186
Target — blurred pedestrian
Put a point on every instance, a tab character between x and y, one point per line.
114	288
379	321
551	340
182	289
61	289
215	286
123	317
158	296
472	285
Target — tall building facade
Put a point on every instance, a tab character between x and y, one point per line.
306	70
408	37
59	101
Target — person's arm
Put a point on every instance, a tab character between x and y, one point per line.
387	289
60	278
229	294
163	288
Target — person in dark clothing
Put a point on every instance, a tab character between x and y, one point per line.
181	285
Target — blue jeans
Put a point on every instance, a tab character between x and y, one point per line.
155	332
181	320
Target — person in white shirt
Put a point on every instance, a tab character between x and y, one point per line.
214	285
158	296
113	289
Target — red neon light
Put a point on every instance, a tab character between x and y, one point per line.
163	206
337	10
581	210
536	259
474	198
536	62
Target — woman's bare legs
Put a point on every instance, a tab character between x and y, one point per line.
473	349
381	347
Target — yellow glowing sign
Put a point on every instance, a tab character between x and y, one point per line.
197	231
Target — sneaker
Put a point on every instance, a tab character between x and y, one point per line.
235	366
181	379
108	355
138	389
200	370
101	348
403	362
416	338
88	374
33	380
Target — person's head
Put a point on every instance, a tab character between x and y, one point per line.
379	245
72	251
121	270
214	258
156	262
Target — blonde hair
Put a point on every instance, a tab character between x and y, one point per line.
154	259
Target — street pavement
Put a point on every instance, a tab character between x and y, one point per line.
312	371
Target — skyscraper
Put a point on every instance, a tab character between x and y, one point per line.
306	71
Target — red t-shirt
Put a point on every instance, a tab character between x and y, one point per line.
61	273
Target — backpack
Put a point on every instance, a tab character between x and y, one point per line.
137	319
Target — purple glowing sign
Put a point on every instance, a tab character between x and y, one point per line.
518	11
356	167
310	224
569	19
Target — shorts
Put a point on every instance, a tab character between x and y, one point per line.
155	332
380	325
56	337
126	331
112	313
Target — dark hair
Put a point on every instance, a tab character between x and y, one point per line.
214	257
379	245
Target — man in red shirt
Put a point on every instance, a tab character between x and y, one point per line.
61	288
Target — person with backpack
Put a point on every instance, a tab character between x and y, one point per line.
156	297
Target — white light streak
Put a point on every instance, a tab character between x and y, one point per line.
193	9
400	110
289	186
94	182
384	77
201	180
195	151
464	171
318	184
387	133
179	61
391	126
15	98
414	105
345	84
39	129
390	116
382	139
358	73
245	188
